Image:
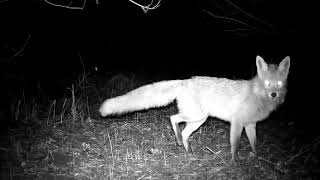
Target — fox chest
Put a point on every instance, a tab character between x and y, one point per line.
229	108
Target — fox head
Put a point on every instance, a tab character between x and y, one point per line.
273	78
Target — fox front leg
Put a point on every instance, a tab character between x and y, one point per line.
251	133
235	134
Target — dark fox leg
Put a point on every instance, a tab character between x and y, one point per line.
235	134
175	120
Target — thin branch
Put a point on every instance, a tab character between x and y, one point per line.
69	5
22	48
148	7
275	165
237	29
217	155
229	19
249	15
306	148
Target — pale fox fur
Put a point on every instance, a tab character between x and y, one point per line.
241	102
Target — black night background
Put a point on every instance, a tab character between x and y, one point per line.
60	59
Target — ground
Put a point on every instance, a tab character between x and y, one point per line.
67	139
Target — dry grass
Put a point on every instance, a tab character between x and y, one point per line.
70	140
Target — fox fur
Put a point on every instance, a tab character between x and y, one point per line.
241	102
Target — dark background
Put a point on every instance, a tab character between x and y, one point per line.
175	41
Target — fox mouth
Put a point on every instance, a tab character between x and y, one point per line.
275	97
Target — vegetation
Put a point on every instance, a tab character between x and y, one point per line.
67	139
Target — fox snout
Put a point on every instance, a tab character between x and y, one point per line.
273	95
276	97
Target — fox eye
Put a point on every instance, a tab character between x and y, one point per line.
279	84
267	83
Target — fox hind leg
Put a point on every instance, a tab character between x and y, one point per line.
235	135
191	126
175	120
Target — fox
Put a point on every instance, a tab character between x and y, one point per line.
242	103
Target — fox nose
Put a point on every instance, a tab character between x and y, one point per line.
273	95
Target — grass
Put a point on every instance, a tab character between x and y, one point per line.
67	139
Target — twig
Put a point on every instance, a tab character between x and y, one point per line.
275	165
110	147
306	148
53	104
249	15
63	110
148	7
68	6
217	155
229	19
73	106
23	47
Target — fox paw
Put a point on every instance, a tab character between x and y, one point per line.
179	143
252	154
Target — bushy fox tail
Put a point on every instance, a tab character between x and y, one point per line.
148	96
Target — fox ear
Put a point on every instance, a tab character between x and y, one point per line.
261	65
284	65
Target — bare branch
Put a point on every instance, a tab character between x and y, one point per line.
22	48
229	19
147	7
239	31
241	27
249	15
16	54
69	6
